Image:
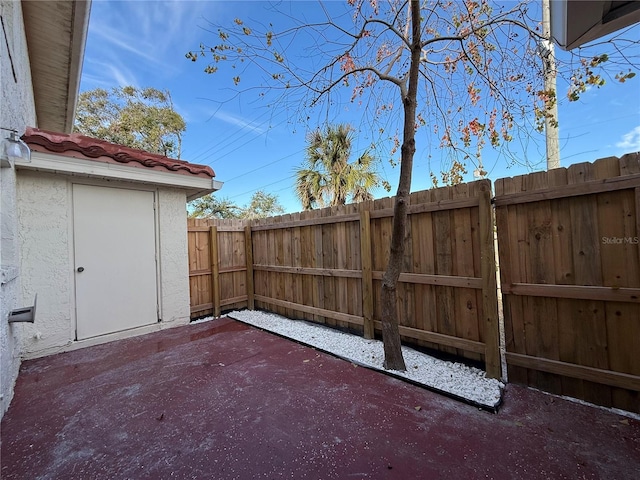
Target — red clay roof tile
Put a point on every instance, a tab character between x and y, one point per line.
80	146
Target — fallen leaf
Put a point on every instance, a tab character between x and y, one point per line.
519	424
624	422
418	408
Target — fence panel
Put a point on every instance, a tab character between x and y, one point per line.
569	265
327	266
569	244
227	289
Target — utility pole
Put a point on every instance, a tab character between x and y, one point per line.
547	53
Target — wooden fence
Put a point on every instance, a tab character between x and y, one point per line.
327	266
217	265
569	243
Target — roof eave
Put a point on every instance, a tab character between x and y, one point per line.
56	52
194	185
577	22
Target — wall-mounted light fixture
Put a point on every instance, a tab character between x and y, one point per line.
13	149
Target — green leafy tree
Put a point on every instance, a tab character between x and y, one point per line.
210	206
327	178
139	118
458	75
262	205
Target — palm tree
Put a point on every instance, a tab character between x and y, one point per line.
326	177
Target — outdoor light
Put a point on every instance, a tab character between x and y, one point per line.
12	150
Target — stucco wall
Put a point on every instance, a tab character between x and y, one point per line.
174	267
44	230
17	111
46	242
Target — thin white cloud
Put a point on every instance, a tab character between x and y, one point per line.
239	122
141	42
169	21
149	33
123	77
89	82
109	74
116	38
630	141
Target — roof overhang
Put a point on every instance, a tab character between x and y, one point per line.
576	22
56	32
194	186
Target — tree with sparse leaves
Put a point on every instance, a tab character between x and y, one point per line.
326	178
262	205
210	206
466	73
138	118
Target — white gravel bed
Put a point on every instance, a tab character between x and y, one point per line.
454	378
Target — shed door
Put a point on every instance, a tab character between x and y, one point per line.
115	260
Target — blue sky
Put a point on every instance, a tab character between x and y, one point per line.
143	43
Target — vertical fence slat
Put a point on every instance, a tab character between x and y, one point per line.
215	270
341	246
618	268
424	262
248	255
489	286
445	305
637	229
543	337
589	316
367	275
329	262
564	275
318	291
465	300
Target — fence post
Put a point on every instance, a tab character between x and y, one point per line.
489	284
215	270
367	275
248	253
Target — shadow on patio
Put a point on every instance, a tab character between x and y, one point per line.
225	400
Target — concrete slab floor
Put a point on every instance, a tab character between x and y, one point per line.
222	400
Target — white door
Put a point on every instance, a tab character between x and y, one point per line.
115	259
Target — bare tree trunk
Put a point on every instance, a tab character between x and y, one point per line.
390	324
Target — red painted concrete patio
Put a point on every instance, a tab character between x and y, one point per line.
222	400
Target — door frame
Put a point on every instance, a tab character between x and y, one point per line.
73	332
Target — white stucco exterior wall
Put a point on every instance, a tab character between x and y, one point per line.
46	241
174	267
45	224
17	111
